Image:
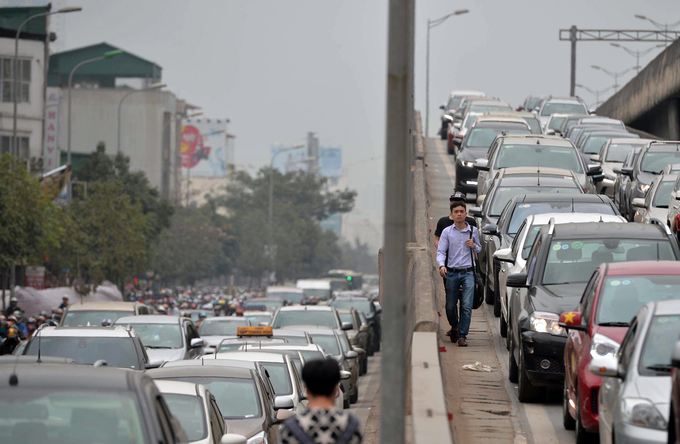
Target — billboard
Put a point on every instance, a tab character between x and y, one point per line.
292	160
330	161
52	124
204	148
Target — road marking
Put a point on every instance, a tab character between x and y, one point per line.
450	170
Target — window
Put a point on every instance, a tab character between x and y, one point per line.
628	345
589	298
7	75
6	143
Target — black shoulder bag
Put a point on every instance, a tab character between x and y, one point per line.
479	283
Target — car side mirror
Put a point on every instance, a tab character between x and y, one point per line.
504	255
197	343
594	169
480	199
476	211
153	364
517	280
572	320
352	354
359	350
639	202
482	164
605	366
344	374
675	360
283	402
347	326
490	230
233	438
627	171
595	158
282	415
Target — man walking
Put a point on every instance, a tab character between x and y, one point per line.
321	423
456	246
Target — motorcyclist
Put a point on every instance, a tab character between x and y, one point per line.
13	306
31	325
10	342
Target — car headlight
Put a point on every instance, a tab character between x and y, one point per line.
543	322
643	187
602	346
258	438
467	164
642	412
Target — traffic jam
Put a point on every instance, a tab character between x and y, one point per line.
194	365
578	222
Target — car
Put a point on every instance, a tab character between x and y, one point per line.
292	337
196	410
358	335
116	346
562	105
372	312
593	141
512	259
654	207
587	129
476	144
612	155
458	131
166	338
530	103
634	402
622	180
480	105
652	159
529	117
95	313
532	150
300	354
449	108
54	402
282	372
256	317
673	418
245	398
595	329
291	295
270	304
373	344
555	122
674	204
314	315
557	270
576	119
214	330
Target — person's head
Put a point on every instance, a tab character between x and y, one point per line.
64	299
458	211
13	333
321	377
13	301
457	197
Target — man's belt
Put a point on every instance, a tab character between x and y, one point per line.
459	270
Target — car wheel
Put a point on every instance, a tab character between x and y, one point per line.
567	420
582	435
363	367
504	327
355	397
488	294
496	297
345	401
527	391
449	150
377	345
513	370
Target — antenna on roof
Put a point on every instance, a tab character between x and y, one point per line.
39	338
601	218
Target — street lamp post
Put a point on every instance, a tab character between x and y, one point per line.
432	24
664	26
614	75
107	55
596	93
120	104
637	54
15	84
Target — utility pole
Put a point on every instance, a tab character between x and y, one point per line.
572	81
397	147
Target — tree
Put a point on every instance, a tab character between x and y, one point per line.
359	257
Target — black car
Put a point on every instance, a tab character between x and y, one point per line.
557	270
502	234
621	182
475	145
648	164
372	313
73	403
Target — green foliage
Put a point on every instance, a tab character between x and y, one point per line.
359	257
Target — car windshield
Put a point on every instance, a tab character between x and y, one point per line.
563	108
220	327
304	317
188	409
471	117
280	378
556	123
360	304
617	152
538	155
117	352
290	296
483	137
237	398
481	109
346	317
328	342
93	317
658	347
311	355
504	194
662	197
534	124
159	335
594	144
522	211
68	415
655	161
622	296
573	261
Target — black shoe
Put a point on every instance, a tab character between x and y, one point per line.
453	333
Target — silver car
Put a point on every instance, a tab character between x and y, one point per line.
612	155
634	398
653	208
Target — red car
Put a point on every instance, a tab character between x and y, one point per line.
612	297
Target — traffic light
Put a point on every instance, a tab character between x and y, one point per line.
349	278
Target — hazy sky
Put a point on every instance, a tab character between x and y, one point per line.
278	69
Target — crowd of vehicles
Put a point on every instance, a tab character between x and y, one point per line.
142	372
579	221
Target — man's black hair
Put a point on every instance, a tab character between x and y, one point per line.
456	205
321	376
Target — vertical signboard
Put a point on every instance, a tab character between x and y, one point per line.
204	148
52	152
35	277
330	161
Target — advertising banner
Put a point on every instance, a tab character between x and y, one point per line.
204	148
330	161
35	277
52	124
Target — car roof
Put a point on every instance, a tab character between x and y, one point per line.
509	112
256	312
531	170
70	376
609	231
563	99
599	119
488	101
225	319
178	387
565	218
580	198
315	330
285	332
85	332
629	141
306	308
534	139
500	118
667	308
308	347
467	92
32	359
100	306
148	319
643	268
538	180
208	361
214	368
250	356
313	284
663	144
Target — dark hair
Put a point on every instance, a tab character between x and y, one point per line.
456	205
321	376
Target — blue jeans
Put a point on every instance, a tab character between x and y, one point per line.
453	283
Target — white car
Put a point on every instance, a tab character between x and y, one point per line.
562	105
513	259
214	330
